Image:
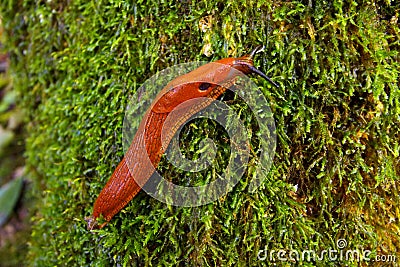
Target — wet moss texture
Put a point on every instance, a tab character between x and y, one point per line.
337	112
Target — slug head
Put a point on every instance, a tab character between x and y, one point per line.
205	81
245	64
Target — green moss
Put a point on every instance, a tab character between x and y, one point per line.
337	117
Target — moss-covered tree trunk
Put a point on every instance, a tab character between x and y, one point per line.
336	170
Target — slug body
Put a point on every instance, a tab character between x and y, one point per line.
207	82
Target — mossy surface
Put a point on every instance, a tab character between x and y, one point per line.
337	112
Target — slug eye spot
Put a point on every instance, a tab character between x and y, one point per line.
204	86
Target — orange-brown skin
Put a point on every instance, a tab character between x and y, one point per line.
204	81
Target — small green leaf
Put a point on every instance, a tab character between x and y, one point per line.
5	138
9	194
7	100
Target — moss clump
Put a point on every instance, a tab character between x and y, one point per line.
336	171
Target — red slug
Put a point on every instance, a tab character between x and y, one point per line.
122	186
